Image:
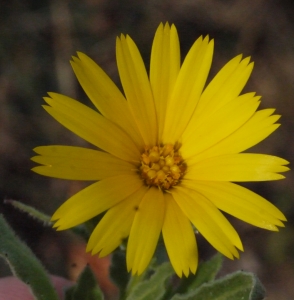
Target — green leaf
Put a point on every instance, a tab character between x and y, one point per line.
239	285
86	287
32	212
153	288
118	270
24	264
206	272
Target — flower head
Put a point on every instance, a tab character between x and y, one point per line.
167	152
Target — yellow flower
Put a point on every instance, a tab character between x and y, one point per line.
169	150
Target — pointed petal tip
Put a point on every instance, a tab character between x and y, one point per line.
238	57
56	221
133	271
79	53
251	66
193	269
104	253
282	217
96	250
38	169
240	248
282	225
46	98
128	268
46	107
285	162
206	39
51	95
161	25
233	255
271	227
56	225
278	177
80	56
246	60
229	254
187	272
74	60
36	149
54	217
190	270
237	255
89	248
61	227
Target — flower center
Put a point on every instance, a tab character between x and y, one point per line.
162	166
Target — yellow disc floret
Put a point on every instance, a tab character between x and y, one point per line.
162	166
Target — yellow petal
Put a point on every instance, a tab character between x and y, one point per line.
221	124
115	225
240	202
145	231
209	221
137	88
238	167
252	132
164	68
225	86
105	95
91	126
78	163
179	239
95	199
187	90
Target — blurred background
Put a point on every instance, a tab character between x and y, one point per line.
37	40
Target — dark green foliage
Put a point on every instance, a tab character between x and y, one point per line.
24	264
118	270
239	285
206	272
86	287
